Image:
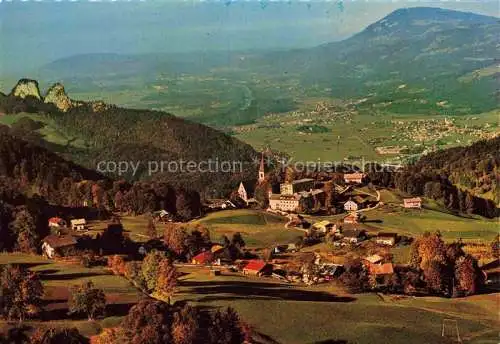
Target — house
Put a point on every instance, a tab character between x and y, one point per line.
56	222
161	215
350	206
291	203
220	204
491	272
374	259
415	202
216	248
284	202
296	186
381	272
53	245
385	238
203	258
324	226
351	218
245	191
353	178
78	224
257	267
353	235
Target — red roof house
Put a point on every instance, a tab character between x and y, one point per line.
257	267
203	258
381	269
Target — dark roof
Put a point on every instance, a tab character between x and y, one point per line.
303	180
57	241
249	187
387	235
353	233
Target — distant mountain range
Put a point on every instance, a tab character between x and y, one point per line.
421	54
413	60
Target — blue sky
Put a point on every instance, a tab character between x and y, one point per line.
35	33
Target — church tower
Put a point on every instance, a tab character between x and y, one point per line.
262	174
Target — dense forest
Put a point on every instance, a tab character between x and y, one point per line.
110	133
457	177
36	184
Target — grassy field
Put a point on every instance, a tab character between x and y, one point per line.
416	222
58	276
258	228
50	130
282	313
354	137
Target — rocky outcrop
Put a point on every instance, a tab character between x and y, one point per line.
99	106
57	96
25	88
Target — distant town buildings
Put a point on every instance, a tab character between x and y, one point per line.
388	239
354	235
354	178
78	224
350	206
352	218
296	186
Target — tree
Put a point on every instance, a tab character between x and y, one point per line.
237	240
117	264
119	201
226	328
24	228
20	292
188	204
166	284
467	275
113	335
151	230
262	195
355	276
186	326
434	276
431	247
148	322
469	203
289	174
151	267
495	246
87	299
225	240
58	336
330	194
174	238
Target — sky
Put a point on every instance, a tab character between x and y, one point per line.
35	33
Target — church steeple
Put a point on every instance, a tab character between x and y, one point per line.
262	174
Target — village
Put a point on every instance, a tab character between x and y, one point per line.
349	238
321	240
